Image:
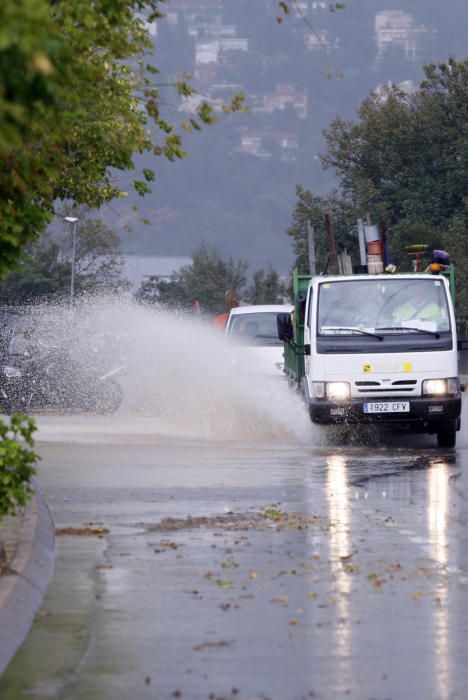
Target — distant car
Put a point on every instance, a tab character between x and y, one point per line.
253	332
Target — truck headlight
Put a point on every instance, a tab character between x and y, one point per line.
11	372
440	387
339	391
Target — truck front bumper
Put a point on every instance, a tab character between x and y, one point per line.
426	414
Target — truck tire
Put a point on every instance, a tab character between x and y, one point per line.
447	437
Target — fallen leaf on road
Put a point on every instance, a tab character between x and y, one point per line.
86	531
351	568
224	584
230	564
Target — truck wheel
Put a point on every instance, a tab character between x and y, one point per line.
447	437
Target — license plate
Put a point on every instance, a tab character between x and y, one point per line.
387	407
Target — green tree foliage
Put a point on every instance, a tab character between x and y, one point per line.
405	160
45	275
455	240
77	101
17	461
205	281
266	288
155	291
312	208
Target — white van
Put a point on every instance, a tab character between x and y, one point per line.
253	333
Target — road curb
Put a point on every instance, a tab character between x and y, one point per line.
21	592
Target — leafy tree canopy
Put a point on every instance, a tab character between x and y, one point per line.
208	279
46	273
205	281
406	159
266	288
78	100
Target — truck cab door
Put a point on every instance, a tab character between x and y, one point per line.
308	327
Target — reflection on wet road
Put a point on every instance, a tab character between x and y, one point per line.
288	571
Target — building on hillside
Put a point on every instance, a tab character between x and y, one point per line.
206	30
397	28
225	90
196	12
319	40
206	52
195	6
300	8
233	44
172	18
284	95
251	143
260	143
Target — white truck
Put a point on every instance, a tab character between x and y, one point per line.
376	349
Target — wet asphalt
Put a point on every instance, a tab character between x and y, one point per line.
208	569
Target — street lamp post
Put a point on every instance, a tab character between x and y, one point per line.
72	220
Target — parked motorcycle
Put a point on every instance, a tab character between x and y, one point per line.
35	375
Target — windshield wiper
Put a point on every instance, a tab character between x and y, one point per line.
353	329
409	328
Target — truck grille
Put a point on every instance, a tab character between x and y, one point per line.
379	387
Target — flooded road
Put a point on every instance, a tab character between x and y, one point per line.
281	565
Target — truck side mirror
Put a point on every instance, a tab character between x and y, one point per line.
285	327
462	345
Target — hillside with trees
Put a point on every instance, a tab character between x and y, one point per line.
404	161
237	187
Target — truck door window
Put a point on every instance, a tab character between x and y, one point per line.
309	312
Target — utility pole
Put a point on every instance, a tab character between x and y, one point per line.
362	242
72	220
383	238
311	247
332	257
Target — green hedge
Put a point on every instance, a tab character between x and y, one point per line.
17	460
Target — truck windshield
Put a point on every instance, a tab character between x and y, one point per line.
384	306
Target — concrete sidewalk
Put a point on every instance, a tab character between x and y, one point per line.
30	544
